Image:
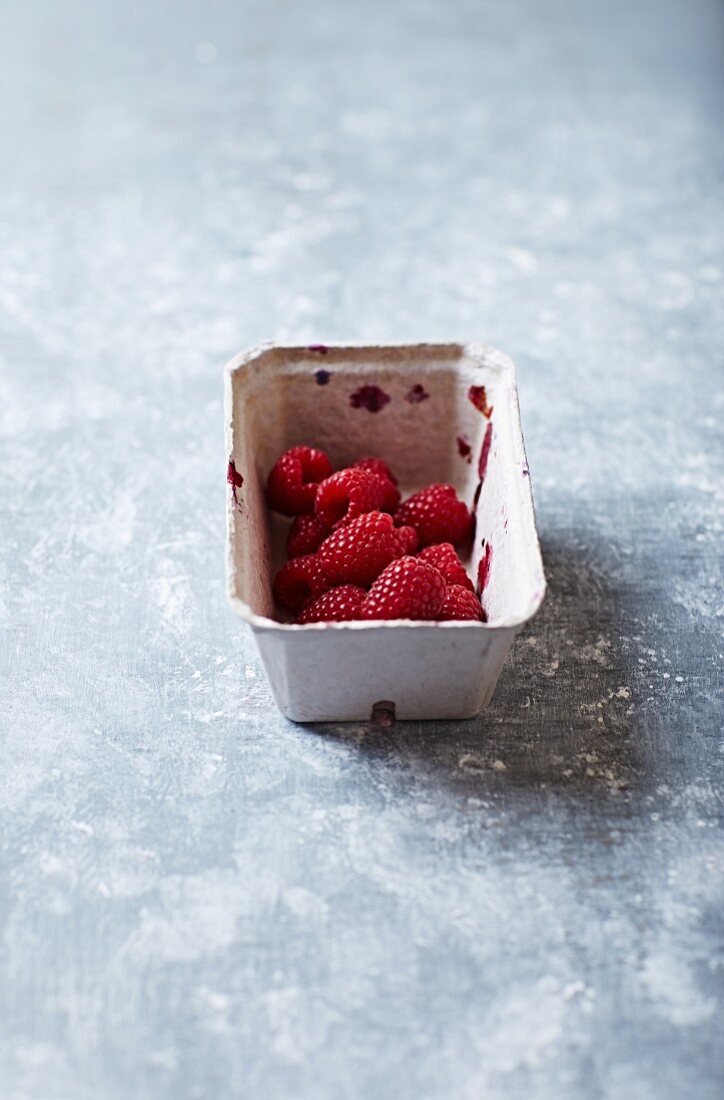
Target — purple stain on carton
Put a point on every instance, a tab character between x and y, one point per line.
479	398
322	349
525	472
322	376
371	398
416	394
485	453
234	479
484	567
464	449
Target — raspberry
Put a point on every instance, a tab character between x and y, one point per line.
357	553
299	581
460	603
380	469
436	514
338	605
407	589
292	483
305	536
444	556
347	494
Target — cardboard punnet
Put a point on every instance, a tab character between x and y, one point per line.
435	413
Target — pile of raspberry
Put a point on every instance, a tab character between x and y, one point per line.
355	551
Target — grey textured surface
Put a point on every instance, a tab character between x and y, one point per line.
200	900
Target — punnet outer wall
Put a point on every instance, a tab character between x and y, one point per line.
434	412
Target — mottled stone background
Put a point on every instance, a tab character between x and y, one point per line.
199	899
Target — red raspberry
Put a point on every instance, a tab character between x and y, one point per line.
460	603
292	483
380	469
338	605
407	589
357	553
444	556
299	581
347	494
305	536
436	514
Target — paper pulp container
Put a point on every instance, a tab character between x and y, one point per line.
435	413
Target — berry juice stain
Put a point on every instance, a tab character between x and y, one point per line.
485	453
484	567
416	394
234	479
479	398
322	377
322	349
371	398
464	449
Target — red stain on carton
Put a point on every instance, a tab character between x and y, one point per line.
479	398
485	453
484	567
464	449
234	479
371	398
